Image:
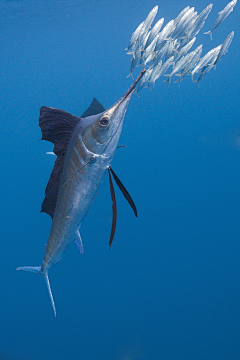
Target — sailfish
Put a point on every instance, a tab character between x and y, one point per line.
85	147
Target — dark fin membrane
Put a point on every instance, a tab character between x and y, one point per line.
57	127
124	191
94	109
114	208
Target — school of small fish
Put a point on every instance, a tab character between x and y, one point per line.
149	47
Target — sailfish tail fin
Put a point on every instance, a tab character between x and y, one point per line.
38	269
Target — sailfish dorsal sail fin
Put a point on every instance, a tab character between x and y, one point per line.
94	108
57	127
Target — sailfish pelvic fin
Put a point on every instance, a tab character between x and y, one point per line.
124	191
114	208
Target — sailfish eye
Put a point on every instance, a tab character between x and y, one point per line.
104	120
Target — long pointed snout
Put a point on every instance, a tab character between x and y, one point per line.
103	135
112	111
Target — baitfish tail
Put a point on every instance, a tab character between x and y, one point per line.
38	269
210	33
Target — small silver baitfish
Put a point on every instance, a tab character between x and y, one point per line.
135	35
150	18
204	72
199	21
154	31
207	59
144	80
224	48
193	59
163	69
85	147
163	35
179	28
154	73
222	16
184	49
179	65
180	15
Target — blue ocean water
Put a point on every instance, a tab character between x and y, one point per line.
169	288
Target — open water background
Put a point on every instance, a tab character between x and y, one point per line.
169	288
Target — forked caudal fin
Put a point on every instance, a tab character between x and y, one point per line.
37	269
210	34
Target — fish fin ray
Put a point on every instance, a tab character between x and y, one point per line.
57	127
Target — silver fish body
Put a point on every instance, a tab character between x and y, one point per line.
171	49
193	59
163	35
144	80
160	53
154	31
89	153
180	15
199	22
182	24
204	72
135	61
135	35
179	65
224	48
163	69
154	72
191	62
150	18
207	59
152	46
222	16
184	50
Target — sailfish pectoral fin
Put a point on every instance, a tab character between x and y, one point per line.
114	208
124	191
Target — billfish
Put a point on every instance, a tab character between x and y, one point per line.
85	147
222	16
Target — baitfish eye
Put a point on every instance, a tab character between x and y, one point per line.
104	120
